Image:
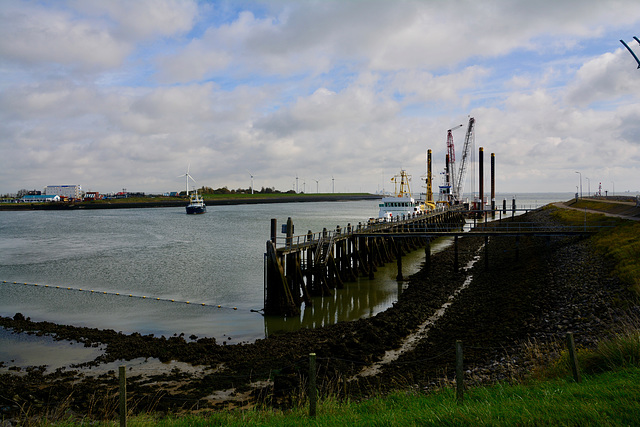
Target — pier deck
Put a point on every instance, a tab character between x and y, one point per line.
314	264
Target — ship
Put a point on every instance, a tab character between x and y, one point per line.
401	203
196	204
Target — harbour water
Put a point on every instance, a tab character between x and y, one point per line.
134	270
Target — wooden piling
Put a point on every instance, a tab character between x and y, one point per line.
315	264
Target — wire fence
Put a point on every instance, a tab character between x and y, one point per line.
117	402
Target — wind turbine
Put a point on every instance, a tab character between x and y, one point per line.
251	175
317	181
186	178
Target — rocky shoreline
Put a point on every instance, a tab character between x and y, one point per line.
510	315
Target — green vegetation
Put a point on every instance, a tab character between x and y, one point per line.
606	399
611	207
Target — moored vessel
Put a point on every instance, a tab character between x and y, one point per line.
401	203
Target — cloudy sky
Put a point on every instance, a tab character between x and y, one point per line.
128	94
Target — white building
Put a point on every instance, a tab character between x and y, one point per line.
71	191
40	198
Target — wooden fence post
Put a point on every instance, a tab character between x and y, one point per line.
313	392
123	396
459	373
572	358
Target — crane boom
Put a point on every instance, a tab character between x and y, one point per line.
468	141
451	151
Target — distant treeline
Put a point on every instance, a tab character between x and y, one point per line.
226	190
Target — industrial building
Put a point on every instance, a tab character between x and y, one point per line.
64	191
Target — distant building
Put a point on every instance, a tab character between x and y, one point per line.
39	198
92	195
68	191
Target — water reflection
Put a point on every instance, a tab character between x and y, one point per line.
360	299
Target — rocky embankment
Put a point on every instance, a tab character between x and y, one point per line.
508	316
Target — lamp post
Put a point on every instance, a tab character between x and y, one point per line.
588	186
580	183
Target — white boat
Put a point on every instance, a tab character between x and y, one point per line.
401	203
196	204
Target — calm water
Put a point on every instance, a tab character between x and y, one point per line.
215	259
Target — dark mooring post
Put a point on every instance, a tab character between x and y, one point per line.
274	230
399	259
289	232
459	373
370	256
123	395
573	359
481	177
493	185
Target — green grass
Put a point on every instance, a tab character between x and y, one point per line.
603	206
600	400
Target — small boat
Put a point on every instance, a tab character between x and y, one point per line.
196	204
402	203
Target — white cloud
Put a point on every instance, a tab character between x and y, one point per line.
126	94
34	35
139	19
605	78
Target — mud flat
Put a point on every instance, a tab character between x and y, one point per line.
555	286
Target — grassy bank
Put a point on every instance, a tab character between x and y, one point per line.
610	398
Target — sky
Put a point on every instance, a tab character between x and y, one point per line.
317	96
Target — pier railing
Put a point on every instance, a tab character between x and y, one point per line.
378	225
298	267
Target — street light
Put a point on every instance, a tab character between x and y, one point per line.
588	186
580	183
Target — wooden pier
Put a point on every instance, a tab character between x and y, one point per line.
315	264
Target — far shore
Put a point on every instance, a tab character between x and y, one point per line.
210	200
